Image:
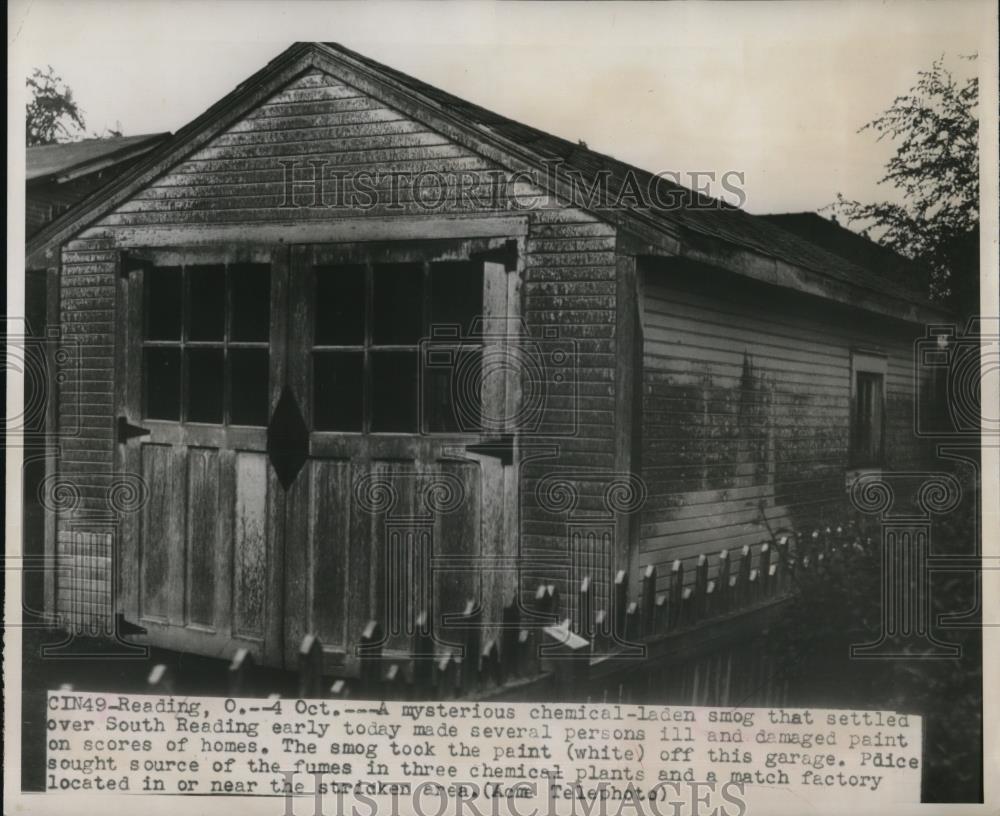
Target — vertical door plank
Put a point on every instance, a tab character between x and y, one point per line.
361	542
299	592
204	535
488	480
396	546
223	554
329	529
456	536
250	543
161	532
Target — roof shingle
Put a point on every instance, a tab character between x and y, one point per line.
57	159
698	214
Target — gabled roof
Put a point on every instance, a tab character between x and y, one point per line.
698	227
74	159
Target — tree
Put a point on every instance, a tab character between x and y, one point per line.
52	114
936	170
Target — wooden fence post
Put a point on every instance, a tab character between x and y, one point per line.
423	654
722	584
547	599
394	683
764	562
446	675
700	588
775	578
676	593
603	631
240	674
310	667
585	609
662	613
370	649
489	663
161	680
510	627
620	597
633	625
527	653
785	547
743	585
471	624
649	600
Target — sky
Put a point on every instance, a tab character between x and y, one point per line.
773	90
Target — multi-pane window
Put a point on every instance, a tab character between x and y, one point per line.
369	370
868	411
206	332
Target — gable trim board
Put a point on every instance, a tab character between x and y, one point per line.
686	233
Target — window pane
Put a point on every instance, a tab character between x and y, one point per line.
162	375
452	383
207	304
397	310
251	320
249	375
868	418
205	383
456	294
394	391
340	305
163	303
337	390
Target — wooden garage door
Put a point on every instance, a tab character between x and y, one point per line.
200	565
303	417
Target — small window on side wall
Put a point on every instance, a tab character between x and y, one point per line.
867	438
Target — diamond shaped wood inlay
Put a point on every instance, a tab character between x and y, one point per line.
287	439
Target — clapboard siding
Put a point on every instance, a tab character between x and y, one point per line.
86	460
746	404
568	289
238	176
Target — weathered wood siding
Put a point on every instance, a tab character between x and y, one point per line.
86	435
568	286
570	289
46	200
746	406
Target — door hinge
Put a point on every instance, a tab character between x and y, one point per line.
125	431
501	447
